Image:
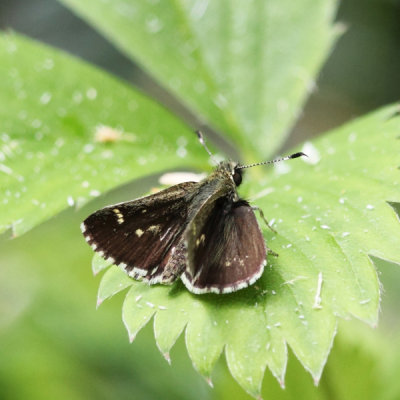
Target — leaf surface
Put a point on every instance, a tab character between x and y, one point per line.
245	68
331	215
69	132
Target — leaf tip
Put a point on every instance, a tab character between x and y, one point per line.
209	382
17	229
132	337
167	357
316	380
99	302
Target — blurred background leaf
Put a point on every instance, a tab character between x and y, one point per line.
244	68
62	145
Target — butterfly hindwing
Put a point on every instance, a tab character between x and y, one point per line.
226	251
143	236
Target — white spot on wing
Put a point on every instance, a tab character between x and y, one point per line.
139	232
138	271
111	260
154	270
153	228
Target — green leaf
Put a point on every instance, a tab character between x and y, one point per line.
331	215
364	364
53	106
114	281
99	264
244	67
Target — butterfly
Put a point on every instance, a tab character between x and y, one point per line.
201	232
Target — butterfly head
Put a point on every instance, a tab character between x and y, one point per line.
235	170
231	168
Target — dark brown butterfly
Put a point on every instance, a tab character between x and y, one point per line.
201	232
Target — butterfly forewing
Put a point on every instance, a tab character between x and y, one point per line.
201	232
143	236
227	251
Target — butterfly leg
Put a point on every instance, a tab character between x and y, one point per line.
255	208
269	251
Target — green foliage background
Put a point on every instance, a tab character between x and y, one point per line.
48	328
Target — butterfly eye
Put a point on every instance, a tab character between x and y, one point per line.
237	176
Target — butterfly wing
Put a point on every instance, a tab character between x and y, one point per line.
143	236
226	250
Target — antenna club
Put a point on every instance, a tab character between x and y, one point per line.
299	154
200	136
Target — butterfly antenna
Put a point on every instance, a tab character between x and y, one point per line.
295	155
203	143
